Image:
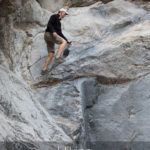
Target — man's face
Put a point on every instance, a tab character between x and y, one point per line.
62	14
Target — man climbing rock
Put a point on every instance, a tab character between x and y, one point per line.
53	35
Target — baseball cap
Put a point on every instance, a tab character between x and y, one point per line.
65	10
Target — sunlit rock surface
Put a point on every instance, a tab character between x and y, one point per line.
99	95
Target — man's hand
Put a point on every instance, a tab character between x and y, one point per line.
69	42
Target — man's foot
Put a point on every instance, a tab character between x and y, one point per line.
59	60
43	72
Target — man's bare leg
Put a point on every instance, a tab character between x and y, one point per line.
61	49
48	60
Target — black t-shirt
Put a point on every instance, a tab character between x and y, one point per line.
54	25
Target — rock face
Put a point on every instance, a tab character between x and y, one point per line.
23	119
97	98
55	5
120	116
52	5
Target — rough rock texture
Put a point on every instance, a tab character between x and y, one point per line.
52	5
96	98
120	114
55	5
23	119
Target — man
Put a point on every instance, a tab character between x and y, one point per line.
53	35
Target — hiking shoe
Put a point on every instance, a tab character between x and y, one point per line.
43	72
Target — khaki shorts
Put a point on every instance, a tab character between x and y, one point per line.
51	41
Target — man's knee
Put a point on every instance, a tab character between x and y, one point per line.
50	50
64	42
50	54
